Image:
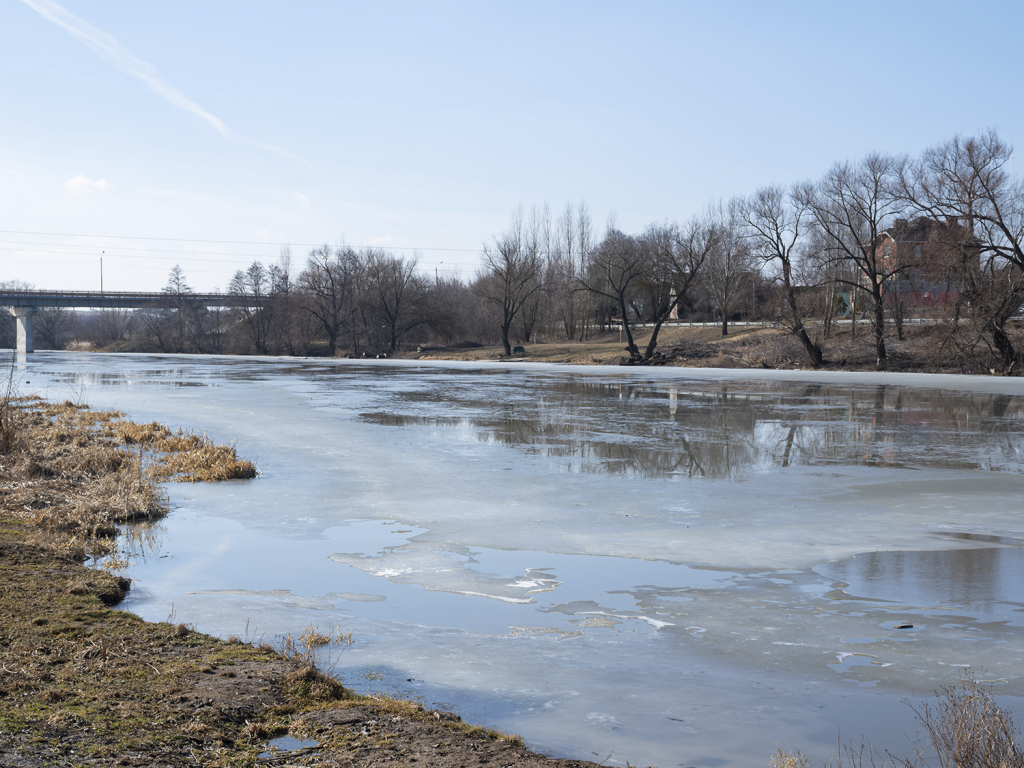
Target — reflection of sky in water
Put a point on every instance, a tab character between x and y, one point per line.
503	540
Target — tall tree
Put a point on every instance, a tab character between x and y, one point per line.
728	264
329	284
395	297
965	182
852	205
618	266
571	304
177	326
511	274
775	221
255	290
677	259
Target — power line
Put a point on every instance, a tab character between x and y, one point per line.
227	242
114	247
123	256
164	269
195	257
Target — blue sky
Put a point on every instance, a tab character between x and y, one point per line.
211	133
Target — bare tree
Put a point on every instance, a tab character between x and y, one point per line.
109	326
728	264
618	266
395	297
257	290
775	222
571	304
511	274
965	183
677	259
537	239
177	325
852	205
289	332
329	282
454	308
52	325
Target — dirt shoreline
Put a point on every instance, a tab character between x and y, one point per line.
923	349
84	684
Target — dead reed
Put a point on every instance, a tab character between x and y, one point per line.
191	458
75	473
965	728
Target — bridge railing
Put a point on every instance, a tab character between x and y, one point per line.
124	299
122	295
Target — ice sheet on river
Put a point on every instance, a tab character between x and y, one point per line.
668	565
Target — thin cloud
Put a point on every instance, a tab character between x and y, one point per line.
80	185
302	200
114	53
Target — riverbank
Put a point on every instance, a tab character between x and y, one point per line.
924	348
84	684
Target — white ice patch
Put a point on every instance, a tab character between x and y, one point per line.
358	598
653	622
249	592
446	571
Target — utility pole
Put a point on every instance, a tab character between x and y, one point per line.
101	271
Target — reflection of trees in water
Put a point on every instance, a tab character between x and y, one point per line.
732	430
983	575
170	377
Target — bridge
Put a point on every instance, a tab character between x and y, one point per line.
24	304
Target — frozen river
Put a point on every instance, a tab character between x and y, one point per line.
665	567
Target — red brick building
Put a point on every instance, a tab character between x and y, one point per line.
929	256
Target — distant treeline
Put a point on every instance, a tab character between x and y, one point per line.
882	239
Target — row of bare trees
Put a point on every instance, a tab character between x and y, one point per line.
791	255
359	300
811	243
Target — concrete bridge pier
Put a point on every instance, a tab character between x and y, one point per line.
23	318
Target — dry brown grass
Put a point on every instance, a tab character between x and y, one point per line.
181	456
964	729
75	474
936	348
313	637
310	684
130	433
191	458
791	760
967	729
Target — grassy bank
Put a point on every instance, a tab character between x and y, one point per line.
923	349
84	684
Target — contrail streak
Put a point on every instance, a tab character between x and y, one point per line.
113	52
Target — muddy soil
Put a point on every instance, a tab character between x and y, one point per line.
83	684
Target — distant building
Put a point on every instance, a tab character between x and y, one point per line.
930	256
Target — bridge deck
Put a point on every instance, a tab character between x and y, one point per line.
119	299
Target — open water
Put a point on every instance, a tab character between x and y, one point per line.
665	567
